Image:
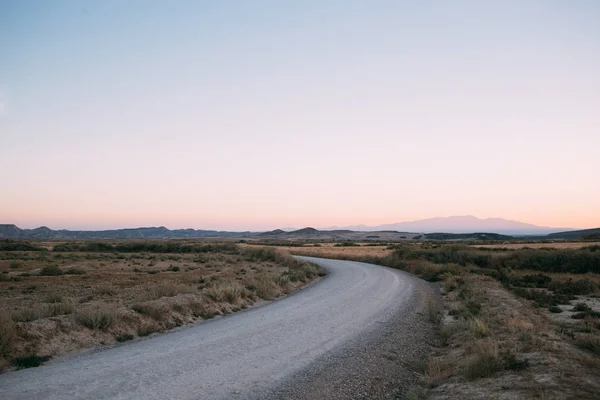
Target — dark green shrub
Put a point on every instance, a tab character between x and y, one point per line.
51	270
30	361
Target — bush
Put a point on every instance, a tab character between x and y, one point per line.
485	360
588	342
30	361
124	337
167	290
555	309
153	311
8	333
96	318
43	311
581	307
75	271
229	293
51	270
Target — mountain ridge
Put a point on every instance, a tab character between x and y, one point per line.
461	224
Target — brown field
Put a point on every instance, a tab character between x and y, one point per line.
52	303
555	245
329	250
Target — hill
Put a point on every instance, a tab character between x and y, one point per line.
12	231
467	236
580	234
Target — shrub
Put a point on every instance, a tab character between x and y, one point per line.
478	327
512	363
14	265
43	311
106	290
588	342
485	360
153	311
264	287
555	309
96	318
75	271
124	337
53	298
167	290
434	313
581	307
30	361
229	293
8	333
436	371
51	270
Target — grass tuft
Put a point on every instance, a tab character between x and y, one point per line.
96	318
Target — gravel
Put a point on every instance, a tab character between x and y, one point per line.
358	333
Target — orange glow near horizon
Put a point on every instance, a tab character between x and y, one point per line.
299	116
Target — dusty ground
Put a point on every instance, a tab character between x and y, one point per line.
102	298
495	345
557	245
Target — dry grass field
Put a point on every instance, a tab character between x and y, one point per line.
335	250
553	245
514	323
53	303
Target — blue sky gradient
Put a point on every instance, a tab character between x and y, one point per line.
257	115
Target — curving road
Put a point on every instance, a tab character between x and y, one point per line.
238	356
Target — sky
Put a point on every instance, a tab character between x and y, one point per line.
268	114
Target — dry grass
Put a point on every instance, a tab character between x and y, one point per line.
167	290
8	333
437	371
230	292
556	245
40	311
506	340
101	317
102	298
328	250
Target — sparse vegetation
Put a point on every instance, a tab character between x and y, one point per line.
96	317
491	332
51	270
30	361
120	296
8	333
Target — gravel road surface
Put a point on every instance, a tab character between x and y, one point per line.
354	334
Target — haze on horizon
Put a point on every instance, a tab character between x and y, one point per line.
262	115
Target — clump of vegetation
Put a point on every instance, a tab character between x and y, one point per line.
75	271
30	361
124	337
151	310
229	293
588	342
96	318
8	333
40	311
485	360
51	270
167	290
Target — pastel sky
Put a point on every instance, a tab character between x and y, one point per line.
267	114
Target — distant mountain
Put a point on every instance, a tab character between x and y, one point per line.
43	232
462	224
